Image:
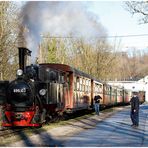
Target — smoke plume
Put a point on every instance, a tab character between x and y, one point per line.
59	19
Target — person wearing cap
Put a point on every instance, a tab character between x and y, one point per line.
135	109
97	104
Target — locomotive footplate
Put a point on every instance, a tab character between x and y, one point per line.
20	119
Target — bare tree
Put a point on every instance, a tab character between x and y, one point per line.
104	59
131	66
53	50
140	8
8	36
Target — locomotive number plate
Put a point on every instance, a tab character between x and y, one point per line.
23	90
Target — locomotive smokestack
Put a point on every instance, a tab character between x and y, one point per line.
23	53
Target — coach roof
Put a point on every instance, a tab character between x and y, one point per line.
67	68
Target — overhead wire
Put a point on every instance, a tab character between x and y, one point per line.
115	36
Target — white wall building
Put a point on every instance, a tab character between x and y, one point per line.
145	82
141	85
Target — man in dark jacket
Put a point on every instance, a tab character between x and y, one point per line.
135	109
97	103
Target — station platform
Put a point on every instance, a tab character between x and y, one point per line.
115	131
111	129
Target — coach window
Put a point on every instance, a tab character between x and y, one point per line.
118	93
121	93
62	78
75	84
59	77
107	90
94	87
86	86
97	87
78	83
114	90
68	80
101	89
83	85
89	86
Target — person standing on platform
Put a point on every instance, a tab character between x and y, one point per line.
97	104
135	109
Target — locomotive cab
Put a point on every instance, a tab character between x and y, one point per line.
53	83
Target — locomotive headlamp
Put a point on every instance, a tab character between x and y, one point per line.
42	92
19	72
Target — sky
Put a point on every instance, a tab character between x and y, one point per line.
119	22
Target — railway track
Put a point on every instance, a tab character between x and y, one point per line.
5	132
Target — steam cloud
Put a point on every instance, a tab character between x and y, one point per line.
57	19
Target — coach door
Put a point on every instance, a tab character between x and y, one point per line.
66	90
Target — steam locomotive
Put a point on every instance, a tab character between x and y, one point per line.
42	91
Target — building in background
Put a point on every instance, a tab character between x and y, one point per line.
140	85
